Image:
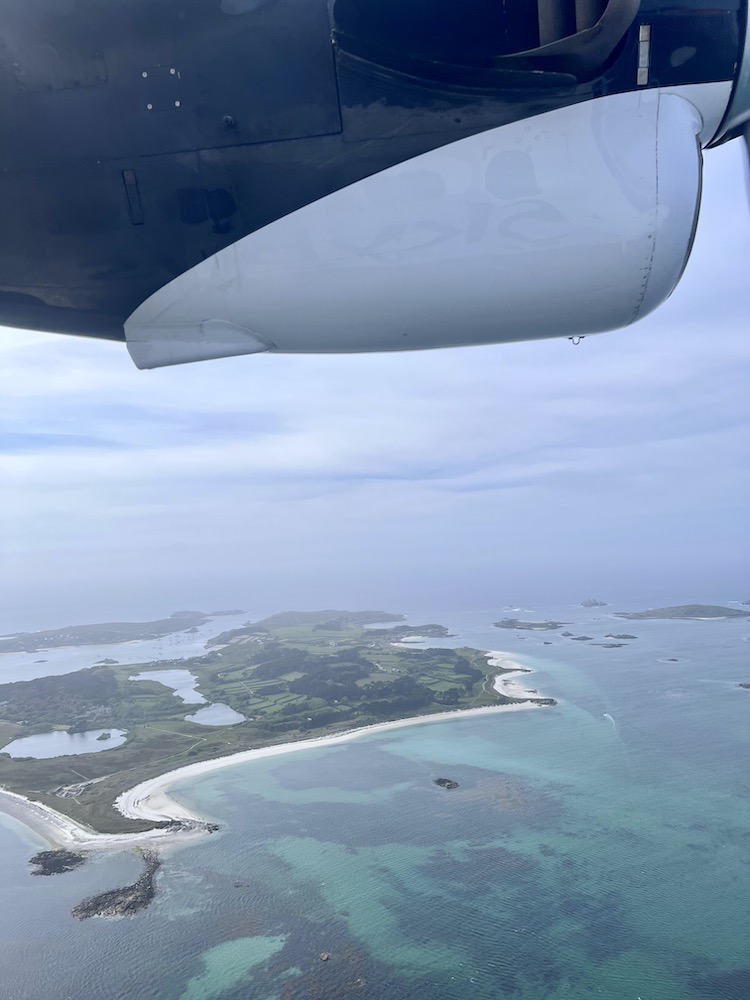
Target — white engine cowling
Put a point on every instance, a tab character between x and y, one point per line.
569	223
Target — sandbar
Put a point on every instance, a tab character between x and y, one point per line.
62	831
507	684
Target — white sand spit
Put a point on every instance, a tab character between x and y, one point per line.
508	684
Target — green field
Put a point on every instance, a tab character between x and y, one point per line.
291	678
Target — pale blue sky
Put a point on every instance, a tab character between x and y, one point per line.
447	479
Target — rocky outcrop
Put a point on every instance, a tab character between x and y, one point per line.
445	783
126	900
56	862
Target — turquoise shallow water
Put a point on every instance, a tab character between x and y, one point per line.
583	854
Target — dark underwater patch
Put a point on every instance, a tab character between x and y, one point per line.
486	803
732	985
604	930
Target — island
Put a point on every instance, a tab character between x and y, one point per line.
745	685
292	679
701	612
515	623
591	602
95	635
619	635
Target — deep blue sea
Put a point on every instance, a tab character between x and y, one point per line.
583	854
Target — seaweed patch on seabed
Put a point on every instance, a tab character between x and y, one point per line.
604	928
323	961
722	985
332	975
467	877
515	798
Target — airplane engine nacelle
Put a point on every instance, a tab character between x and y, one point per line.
573	222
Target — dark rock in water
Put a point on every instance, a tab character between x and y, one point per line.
742	684
581	638
591	602
106	662
126	900
104	736
189	824
609	645
56	862
567	634
446	783
40	661
619	635
546	643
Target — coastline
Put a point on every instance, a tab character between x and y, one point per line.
149	800
59	830
508	684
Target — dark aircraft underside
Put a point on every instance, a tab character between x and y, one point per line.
141	137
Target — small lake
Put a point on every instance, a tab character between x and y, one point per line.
182	683
216	715
46	745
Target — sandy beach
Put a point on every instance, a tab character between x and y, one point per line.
508	684
62	831
149	800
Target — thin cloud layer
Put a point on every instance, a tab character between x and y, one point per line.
462	477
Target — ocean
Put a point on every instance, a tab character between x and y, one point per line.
600	848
